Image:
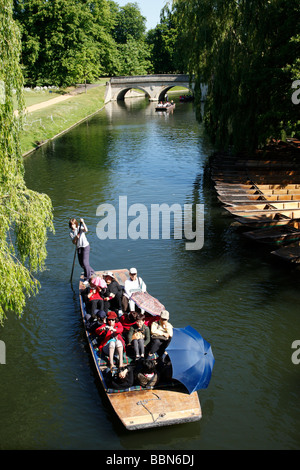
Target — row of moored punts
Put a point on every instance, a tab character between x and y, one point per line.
262	193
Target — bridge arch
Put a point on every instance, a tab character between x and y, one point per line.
120	95
161	96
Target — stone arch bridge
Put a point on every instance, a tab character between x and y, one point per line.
154	86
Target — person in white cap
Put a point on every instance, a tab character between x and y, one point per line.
133	284
161	334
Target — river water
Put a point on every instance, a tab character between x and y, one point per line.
241	301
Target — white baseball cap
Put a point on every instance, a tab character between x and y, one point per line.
132	271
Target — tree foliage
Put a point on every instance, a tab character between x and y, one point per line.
135	58
69	41
165	48
130	24
25	215
247	52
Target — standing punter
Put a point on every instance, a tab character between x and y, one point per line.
79	239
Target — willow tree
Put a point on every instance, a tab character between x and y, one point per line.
25	215
246	52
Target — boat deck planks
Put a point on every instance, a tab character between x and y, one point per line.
157	407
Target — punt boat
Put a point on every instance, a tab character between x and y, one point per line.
139	408
258	199
289	253
288	233
165	108
263	221
289	209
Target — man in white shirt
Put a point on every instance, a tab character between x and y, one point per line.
133	284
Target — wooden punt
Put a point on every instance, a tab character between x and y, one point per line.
253	193
165	108
290	253
287	233
245	210
263	221
260	173
257	181
259	199
262	187
138	408
291	214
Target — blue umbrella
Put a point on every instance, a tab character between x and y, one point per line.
192	358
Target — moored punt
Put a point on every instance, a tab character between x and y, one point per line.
290	253
186	98
258	180
262	221
276	235
138	408
262	187
255	192
259	199
291	214
290	208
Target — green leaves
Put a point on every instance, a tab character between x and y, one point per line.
65	41
247	52
25	216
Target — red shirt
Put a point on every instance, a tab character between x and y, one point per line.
106	335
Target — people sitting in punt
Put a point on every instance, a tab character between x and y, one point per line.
146	374
111	339
161	334
127	320
114	293
143	337
123	378
131	285
139	336
93	296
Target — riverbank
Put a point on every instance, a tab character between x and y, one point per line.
49	119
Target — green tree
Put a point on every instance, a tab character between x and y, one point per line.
134	54
135	58
129	24
25	215
246	51
165	46
64	41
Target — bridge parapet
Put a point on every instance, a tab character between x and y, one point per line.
144	79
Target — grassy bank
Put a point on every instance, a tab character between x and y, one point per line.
44	124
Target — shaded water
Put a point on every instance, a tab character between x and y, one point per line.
236	296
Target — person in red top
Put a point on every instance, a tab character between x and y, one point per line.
110	334
127	320
94	297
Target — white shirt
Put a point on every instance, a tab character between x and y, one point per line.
82	241
134	286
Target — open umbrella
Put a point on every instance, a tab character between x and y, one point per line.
192	358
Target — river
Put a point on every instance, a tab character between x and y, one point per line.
243	303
